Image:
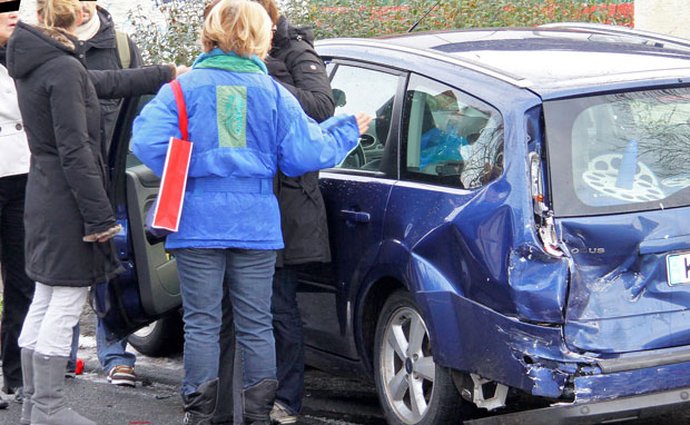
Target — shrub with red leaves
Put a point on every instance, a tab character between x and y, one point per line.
366	18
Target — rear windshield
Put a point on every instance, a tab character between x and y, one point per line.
619	152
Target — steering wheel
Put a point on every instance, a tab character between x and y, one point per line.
367	141
602	174
355	159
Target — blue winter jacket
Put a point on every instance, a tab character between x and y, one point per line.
244	126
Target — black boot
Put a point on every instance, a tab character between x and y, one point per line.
258	402
200	405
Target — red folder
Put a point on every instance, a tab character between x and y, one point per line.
168	208
173	184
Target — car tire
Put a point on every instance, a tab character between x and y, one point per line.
160	338
397	363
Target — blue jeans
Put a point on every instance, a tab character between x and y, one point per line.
287	330
248	274
72	361
112	351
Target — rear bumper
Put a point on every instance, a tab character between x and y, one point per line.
535	360
630	383
618	410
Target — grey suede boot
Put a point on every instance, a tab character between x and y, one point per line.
27	357
258	402
49	404
200	406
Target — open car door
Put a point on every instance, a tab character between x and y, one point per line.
149	288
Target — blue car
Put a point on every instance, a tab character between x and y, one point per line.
514	225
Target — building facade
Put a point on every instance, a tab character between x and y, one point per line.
665	16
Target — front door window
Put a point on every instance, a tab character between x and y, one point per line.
357	89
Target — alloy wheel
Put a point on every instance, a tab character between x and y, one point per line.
408	369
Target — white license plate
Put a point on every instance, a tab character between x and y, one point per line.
678	269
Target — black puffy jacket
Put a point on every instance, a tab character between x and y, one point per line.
102	54
66	195
294	62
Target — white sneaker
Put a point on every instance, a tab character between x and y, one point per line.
281	415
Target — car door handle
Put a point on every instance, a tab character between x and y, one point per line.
356	216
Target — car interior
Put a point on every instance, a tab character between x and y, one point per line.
372	92
448	140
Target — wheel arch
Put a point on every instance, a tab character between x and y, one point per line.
373	298
390	274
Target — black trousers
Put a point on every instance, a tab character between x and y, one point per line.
289	336
229	370
18	289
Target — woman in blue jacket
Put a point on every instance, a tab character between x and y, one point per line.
245	127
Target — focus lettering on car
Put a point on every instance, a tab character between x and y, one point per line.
588	251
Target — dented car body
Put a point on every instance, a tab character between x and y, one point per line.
523	198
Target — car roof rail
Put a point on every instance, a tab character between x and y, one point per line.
651	38
383	43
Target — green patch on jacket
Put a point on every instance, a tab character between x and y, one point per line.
231	102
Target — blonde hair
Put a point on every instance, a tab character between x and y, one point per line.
61	14
270	6
238	26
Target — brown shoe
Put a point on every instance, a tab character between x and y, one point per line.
122	375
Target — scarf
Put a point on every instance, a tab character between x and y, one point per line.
230	61
87	30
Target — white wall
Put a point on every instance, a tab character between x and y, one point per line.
663	16
117	8
27	11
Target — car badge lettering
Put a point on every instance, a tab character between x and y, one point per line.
587	250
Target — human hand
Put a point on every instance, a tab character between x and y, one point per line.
181	69
103	236
363	121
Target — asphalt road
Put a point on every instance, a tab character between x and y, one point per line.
155	400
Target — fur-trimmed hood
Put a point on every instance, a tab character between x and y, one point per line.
31	46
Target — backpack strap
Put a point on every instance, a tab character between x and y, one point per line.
123	51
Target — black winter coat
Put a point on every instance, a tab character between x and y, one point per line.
66	196
294	62
102	54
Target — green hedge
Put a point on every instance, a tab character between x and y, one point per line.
357	18
178	41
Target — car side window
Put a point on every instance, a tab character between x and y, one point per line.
450	138
357	89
